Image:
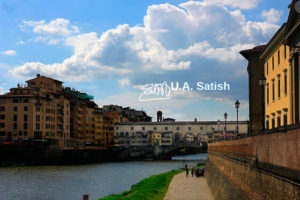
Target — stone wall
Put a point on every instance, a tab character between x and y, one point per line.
277	152
265	166
230	179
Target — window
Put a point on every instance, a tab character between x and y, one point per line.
26	100
15	108
25	133
201	128
25	118
278	120
267	68
190	128
143	128
284	51
15	126
285	82
25	108
2	133
117	128
273	90
268	93
154	128
2	108
37	126
131	128
20	133
38	109
166	128
285	118
273	63
278	57
2	116
273	122
38	118
267	124
25	126
278	86
177	128
15	117
2	125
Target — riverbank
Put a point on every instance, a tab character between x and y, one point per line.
166	186
190	188
152	188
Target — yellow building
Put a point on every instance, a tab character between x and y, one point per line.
281	69
278	81
156	139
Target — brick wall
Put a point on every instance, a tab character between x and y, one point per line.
279	149
231	180
258	167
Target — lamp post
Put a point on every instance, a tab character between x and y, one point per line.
225	117
262	83
237	105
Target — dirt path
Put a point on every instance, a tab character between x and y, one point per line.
191	188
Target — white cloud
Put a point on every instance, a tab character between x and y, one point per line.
201	40
9	52
124	82
59	26
20	42
272	16
47	40
245	4
2	91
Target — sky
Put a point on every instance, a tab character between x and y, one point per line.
112	48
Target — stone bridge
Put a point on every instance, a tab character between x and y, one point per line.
158	152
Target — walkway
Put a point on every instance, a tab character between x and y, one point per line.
191	188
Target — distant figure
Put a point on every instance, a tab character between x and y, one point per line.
192	172
186	166
187	172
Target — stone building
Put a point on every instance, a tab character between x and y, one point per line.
181	131
255	72
38	112
281	69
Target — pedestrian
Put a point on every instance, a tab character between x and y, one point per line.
187	172
192	172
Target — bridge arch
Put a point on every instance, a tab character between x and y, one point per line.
189	137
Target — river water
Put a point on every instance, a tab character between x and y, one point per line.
71	182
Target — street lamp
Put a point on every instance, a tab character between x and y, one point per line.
225	117
262	83
237	105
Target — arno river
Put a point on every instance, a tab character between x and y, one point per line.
71	182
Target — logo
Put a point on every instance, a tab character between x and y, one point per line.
155	91
162	91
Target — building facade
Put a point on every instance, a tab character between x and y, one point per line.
255	72
126	133
281	69
38	112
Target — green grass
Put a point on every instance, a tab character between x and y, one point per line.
151	188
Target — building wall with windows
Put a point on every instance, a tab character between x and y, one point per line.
278	82
36	113
183	131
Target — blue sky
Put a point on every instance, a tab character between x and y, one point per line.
110	48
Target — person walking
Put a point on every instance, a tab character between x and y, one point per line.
192	172
187	172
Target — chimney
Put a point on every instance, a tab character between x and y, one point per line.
38	75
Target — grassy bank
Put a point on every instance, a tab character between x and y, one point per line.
151	188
